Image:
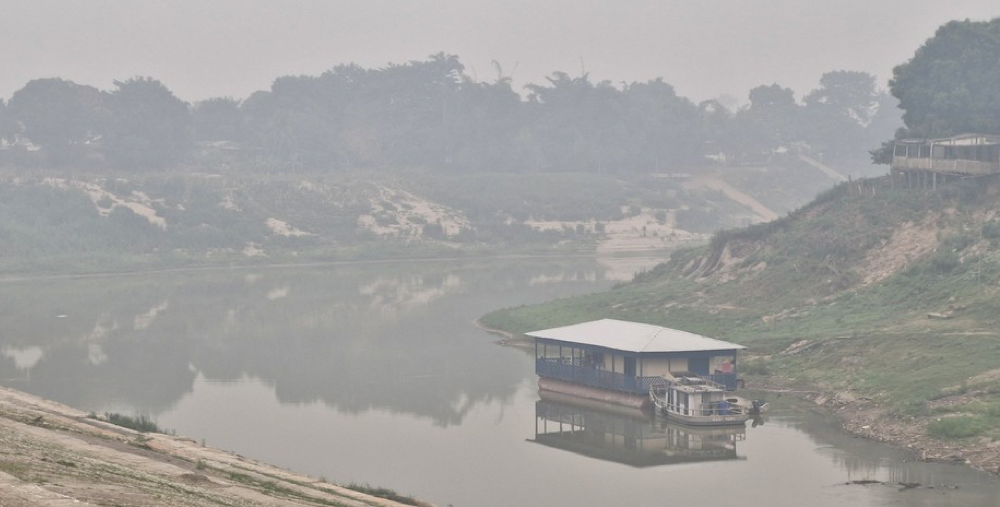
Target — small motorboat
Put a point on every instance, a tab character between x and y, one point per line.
696	401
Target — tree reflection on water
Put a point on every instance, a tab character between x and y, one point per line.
356	337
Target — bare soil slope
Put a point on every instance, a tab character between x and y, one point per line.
52	456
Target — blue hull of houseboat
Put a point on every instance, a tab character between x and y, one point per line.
584	392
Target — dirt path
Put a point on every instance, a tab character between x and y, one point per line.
716	183
54	456
827	170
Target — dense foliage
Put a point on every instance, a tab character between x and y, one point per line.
430	114
951	84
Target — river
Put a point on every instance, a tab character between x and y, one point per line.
374	373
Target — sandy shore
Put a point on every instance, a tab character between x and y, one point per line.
52	455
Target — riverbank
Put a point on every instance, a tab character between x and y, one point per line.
506	339
622	266
52	455
863	417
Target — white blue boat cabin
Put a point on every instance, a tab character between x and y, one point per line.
628	357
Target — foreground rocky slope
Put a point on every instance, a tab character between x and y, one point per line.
52	455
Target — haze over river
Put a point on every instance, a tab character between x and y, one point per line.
374	373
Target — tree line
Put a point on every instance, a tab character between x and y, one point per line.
431	114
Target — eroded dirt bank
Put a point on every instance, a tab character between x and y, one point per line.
52	455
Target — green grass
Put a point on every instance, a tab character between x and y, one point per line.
272	488
964	426
139	422
381	492
979	418
16	469
755	366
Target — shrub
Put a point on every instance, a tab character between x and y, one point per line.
959	242
991	230
139	422
754	367
434	231
382	493
945	262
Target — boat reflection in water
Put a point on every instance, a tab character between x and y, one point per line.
630	437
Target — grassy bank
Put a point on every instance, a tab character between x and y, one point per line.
890	294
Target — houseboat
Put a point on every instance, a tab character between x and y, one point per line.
616	361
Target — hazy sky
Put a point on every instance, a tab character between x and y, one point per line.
207	48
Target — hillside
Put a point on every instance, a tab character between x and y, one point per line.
872	293
59	222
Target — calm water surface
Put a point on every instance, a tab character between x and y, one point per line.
374	373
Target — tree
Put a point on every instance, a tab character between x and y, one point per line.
402	114
839	112
771	120
572	120
660	129
886	124
718	128
6	130
149	126
287	125
951	84
416	108
484	127
7	122
772	101
60	116
218	119
851	94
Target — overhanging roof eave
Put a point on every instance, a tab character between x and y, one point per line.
632	337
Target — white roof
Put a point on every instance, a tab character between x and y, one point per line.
633	337
959	140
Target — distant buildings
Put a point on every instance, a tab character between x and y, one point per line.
922	162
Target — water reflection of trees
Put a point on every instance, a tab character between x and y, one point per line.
395	337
